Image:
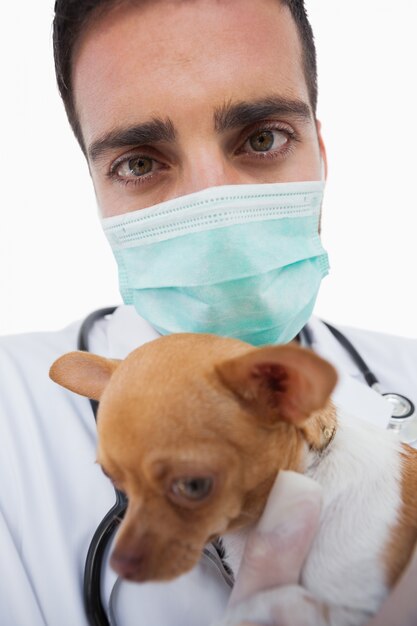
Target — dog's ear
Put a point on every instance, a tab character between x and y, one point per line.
280	382
84	373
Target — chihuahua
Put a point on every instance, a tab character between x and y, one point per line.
194	428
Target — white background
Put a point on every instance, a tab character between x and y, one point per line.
55	265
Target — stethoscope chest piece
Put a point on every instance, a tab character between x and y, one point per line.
402	407
403	418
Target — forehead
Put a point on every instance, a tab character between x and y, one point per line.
169	58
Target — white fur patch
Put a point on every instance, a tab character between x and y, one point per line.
361	478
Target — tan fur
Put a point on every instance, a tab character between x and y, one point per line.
404	534
69	372
187	406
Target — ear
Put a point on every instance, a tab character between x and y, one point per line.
280	382
84	373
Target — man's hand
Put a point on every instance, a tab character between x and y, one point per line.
267	590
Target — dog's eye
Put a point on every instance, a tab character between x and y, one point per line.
193	488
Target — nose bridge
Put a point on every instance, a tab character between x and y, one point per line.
136	510
207	165
135	524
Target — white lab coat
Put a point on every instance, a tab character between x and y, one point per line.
53	495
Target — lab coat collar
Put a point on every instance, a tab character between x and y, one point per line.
120	333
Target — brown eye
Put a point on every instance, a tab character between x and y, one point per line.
261	142
267	141
193	488
137	166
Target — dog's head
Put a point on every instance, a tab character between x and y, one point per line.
194	428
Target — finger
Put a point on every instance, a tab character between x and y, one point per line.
400	607
277	547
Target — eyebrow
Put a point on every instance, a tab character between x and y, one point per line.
154	131
228	116
234	115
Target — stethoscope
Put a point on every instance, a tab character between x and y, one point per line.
402	409
402	412
94	609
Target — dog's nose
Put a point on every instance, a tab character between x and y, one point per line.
129	566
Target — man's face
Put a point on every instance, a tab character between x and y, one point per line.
176	96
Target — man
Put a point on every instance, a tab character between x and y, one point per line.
168	98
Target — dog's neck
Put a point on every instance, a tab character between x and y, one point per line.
309	444
320	429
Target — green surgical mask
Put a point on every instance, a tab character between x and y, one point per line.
242	261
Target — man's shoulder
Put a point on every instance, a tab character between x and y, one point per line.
25	360
29	348
379	342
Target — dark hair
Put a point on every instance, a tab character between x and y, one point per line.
72	15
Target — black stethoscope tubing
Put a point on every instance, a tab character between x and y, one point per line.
94	609
372	381
369	376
